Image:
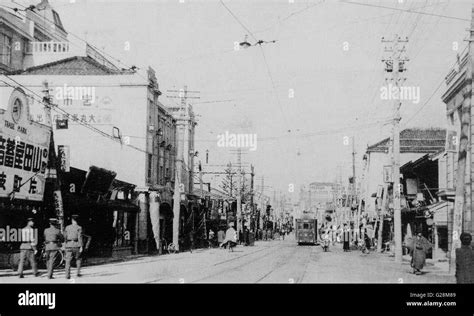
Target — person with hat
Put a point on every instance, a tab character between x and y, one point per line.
73	237
465	260
52	239
28	248
419	246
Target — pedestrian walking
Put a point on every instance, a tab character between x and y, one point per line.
211	238
465	260
346	238
73	237
52	239
28	248
418	249
230	240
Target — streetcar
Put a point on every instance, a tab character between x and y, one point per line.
306	230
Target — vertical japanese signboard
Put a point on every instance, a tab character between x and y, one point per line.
63	155
24	151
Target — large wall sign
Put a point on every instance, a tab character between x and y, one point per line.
24	150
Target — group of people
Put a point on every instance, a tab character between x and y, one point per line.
72	238
342	234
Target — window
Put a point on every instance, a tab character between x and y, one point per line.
5	49
305	226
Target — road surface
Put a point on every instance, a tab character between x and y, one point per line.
267	262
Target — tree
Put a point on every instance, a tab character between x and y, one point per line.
229	183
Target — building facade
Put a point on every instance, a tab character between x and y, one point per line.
454	98
27	36
113	121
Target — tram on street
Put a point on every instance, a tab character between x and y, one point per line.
306	230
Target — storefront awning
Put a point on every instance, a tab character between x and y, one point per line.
120	205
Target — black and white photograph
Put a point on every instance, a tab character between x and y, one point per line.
302	144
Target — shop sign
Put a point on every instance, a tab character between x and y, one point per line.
64	157
387	174
24	151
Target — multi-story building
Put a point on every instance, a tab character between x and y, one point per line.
111	120
32	37
26	36
185	153
454	97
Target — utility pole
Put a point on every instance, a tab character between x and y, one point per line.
239	192
262	206
396	65
55	170
354	187
182	121
359	209
460	204
252	174
200	180
381	218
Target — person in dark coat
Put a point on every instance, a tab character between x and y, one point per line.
418	248
465	260
346	238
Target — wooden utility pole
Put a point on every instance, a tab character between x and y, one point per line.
459	205
239	193
55	170
252	174
381	216
359	209
396	65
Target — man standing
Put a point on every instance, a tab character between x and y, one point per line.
28	248
465	260
418	248
346	238
73	236
52	239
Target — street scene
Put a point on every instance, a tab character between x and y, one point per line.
267	262
280	141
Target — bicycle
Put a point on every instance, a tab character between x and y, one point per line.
13	257
168	248
59	258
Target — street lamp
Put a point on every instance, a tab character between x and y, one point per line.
245	44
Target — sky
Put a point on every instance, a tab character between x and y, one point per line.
305	96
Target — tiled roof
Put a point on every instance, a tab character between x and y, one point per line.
415	140
77	65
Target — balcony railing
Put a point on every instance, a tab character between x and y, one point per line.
48	47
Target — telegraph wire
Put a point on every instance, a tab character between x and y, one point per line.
409	11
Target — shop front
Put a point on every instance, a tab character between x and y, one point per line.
106	209
24	157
